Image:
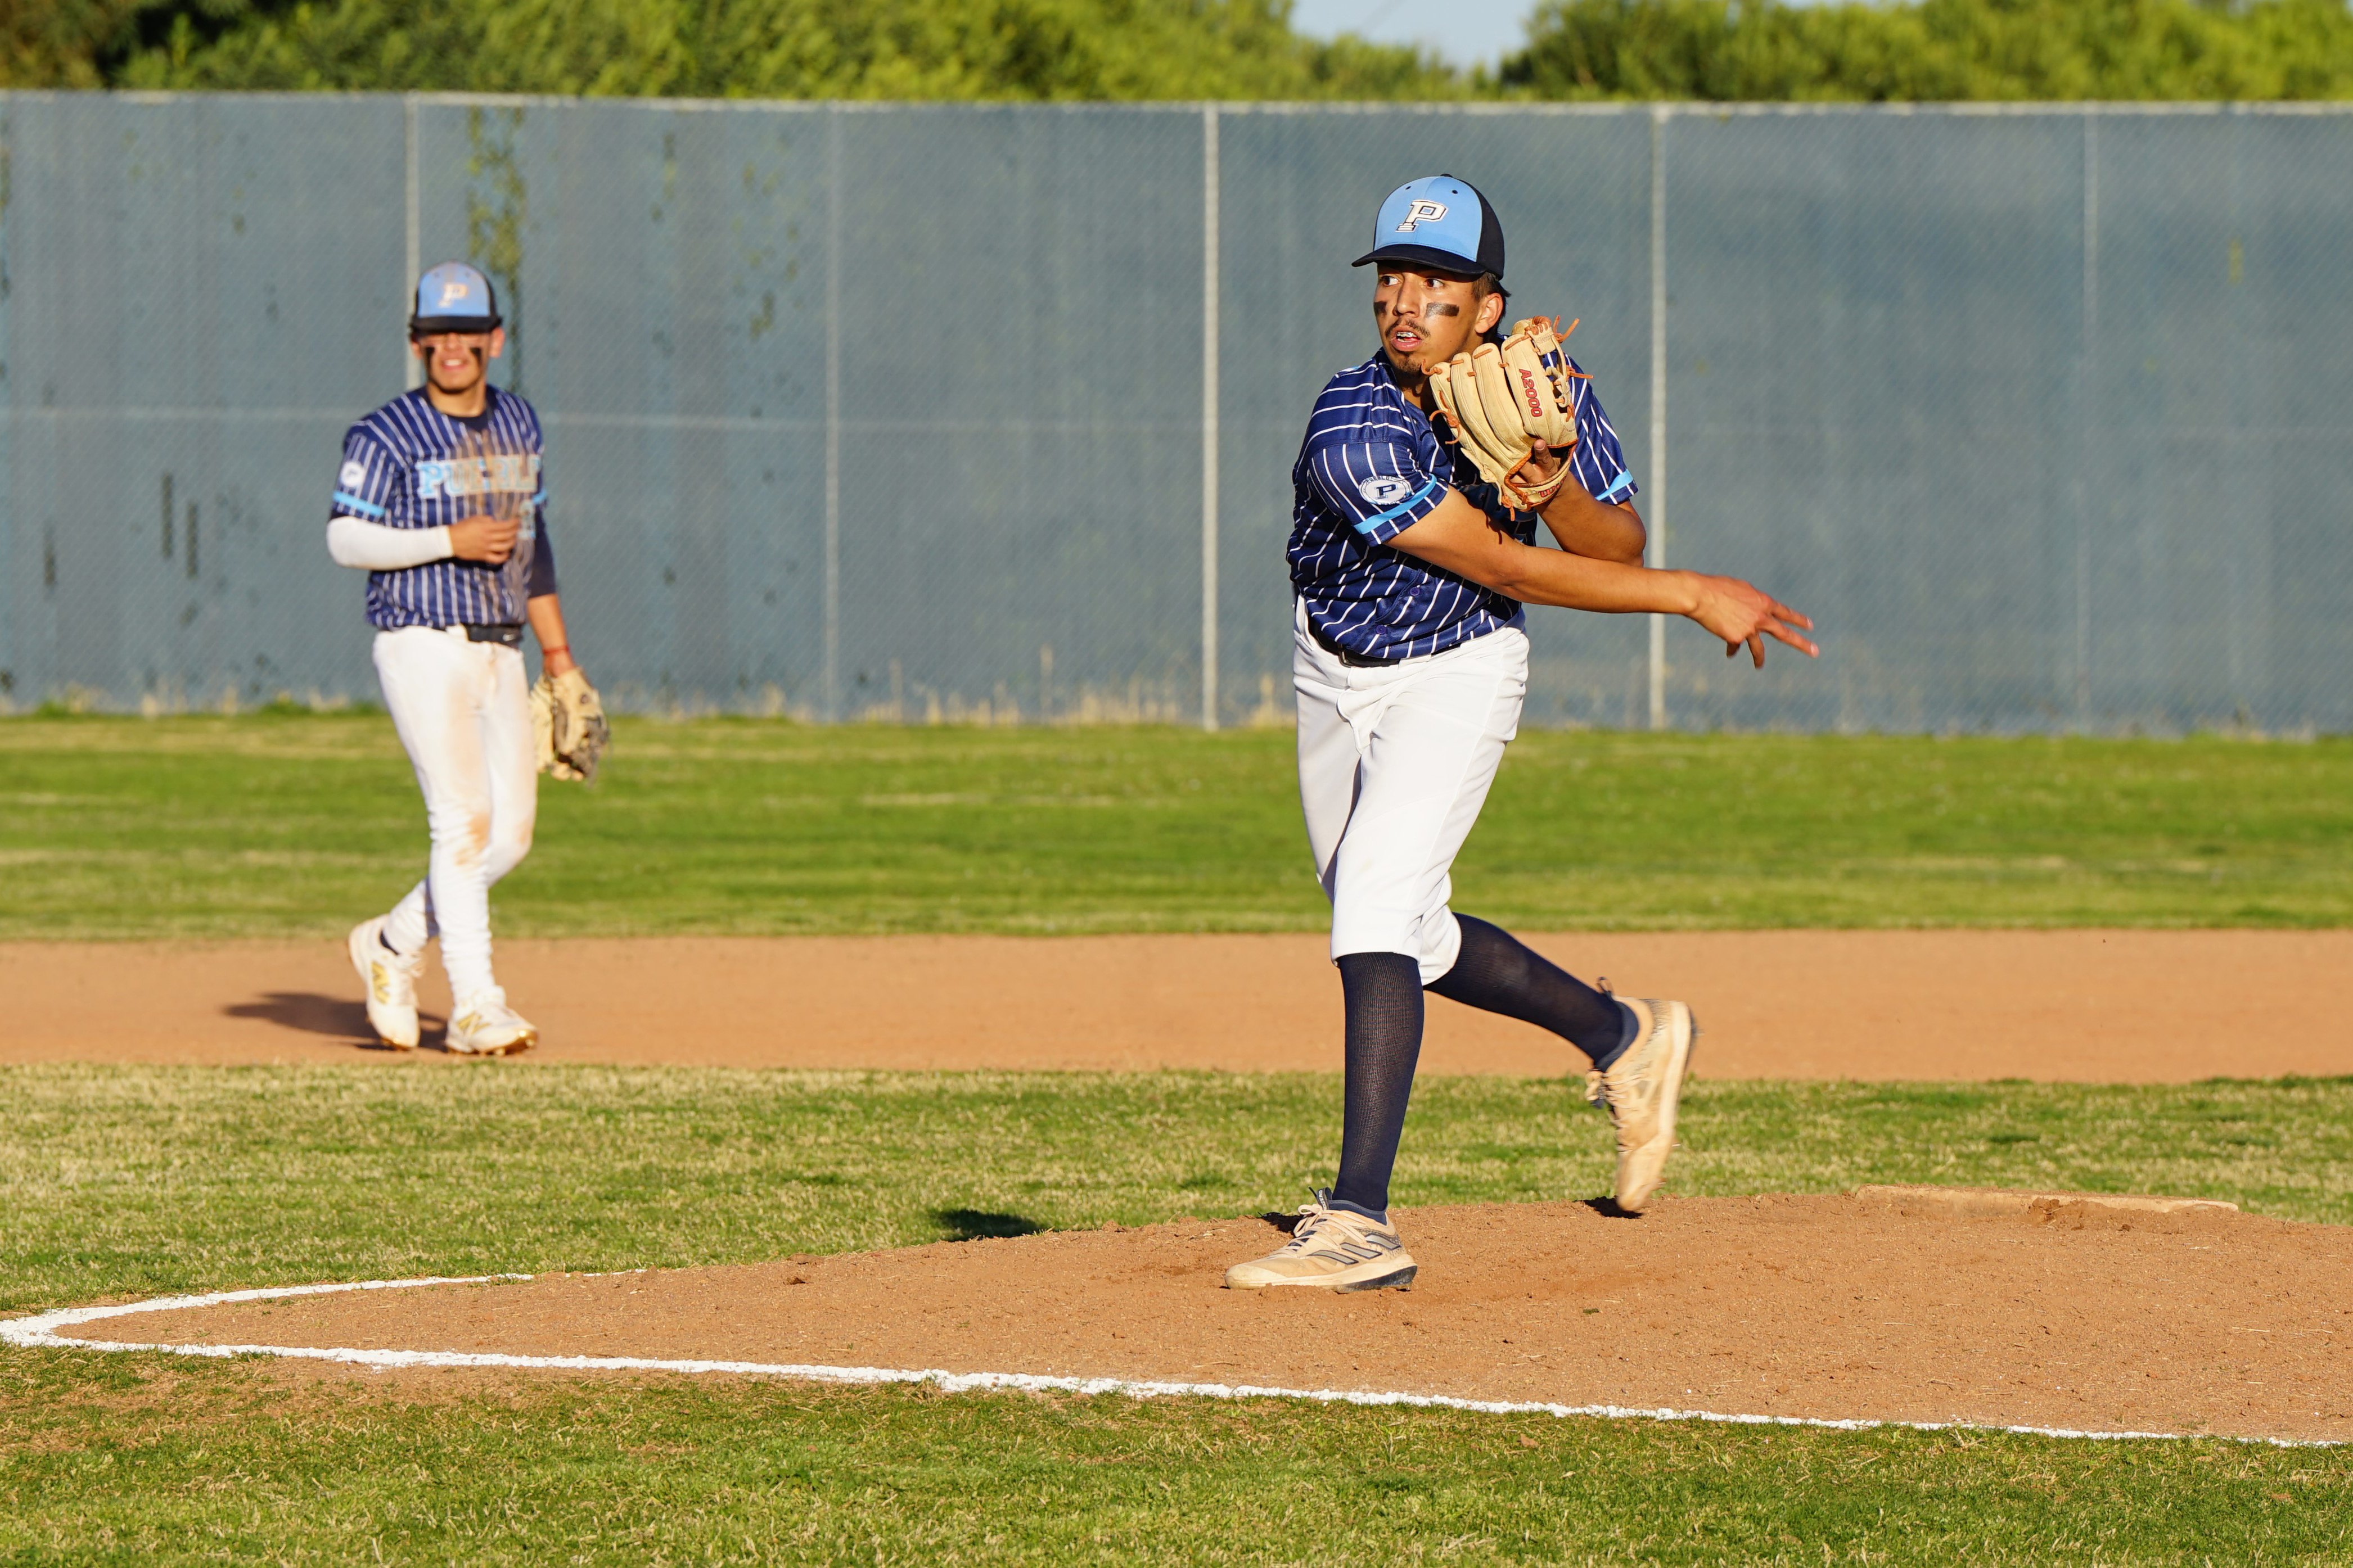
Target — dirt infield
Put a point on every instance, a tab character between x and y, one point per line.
1829	1307
2119	1006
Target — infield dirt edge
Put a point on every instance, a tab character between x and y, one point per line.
2099	1007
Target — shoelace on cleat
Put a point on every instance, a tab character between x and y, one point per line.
1313	1217
1307	1239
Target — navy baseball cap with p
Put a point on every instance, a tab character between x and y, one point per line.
453	298
1440	222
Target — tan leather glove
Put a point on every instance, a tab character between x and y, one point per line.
567	726
1504	397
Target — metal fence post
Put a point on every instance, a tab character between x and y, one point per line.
1656	555
833	410
412	368
2084	436
1209	416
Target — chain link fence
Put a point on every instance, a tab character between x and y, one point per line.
986	413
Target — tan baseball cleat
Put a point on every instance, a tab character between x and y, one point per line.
1330	1249
391	982
484	1025
1641	1091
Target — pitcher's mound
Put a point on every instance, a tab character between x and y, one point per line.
2044	1309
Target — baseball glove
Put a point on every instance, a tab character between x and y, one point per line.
1503	398
567	725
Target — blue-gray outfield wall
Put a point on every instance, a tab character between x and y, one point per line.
2043	413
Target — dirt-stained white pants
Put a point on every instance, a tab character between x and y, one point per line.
1393	764
463	710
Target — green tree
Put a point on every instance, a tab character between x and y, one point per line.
1927	50
1936	50
57	43
1051	49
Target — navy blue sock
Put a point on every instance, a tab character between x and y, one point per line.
1384	999
1497	973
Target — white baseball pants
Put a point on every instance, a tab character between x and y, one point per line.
1393	764
463	710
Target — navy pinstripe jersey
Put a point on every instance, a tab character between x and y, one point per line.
399	470
1372	465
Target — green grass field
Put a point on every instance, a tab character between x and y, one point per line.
144	1180
124	1458
124	1181
283	826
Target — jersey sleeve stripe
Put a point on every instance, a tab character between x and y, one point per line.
1371	523
364	508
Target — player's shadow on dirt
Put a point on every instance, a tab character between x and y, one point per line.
334	1016
972	1224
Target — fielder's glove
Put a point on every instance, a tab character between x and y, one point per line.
1502	398
567	725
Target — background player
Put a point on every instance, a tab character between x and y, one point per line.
442	498
1410	664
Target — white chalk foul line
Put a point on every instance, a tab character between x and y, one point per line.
40	1332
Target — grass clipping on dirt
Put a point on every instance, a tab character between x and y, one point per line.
129	1180
275	825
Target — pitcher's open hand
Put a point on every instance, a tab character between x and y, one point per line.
1741	612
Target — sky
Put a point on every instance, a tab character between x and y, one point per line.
1466	32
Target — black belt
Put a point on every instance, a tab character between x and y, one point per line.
1346	656
504	636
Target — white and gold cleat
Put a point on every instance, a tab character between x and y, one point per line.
1641	1091
484	1025
391	982
1330	1249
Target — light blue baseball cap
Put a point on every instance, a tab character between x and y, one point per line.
453	298
1439	221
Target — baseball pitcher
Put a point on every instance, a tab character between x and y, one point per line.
442	500
1425	474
